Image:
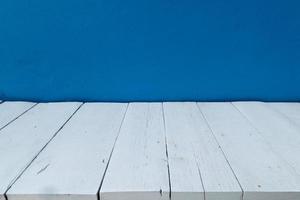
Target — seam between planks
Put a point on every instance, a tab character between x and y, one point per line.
1	128
28	165
212	132
167	153
110	155
200	175
265	139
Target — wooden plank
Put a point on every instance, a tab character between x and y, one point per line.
197	165
282	134
73	164
290	110
138	168
23	140
262	174
185	178
10	111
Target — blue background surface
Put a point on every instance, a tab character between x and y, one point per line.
148	50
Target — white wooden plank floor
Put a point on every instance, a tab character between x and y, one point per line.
138	168
280	132
78	156
10	111
21	141
290	110
150	151
261	173
192	146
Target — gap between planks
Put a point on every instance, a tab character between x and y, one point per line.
101	183
167	152
212	132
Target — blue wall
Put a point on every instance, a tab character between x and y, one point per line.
116	50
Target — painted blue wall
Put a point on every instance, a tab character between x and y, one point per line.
116	50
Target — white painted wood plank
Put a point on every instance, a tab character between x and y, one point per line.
22	140
195	158
72	165
138	168
290	110
184	172
282	134
9	111
262	174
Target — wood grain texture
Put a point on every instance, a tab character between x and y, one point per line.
73	164
10	111
144	151
197	165
23	140
138	168
262	174
280	132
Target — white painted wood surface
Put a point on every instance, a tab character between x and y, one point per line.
73	164
138	168
10	111
22	140
214	150
196	162
281	133
290	110
262	174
